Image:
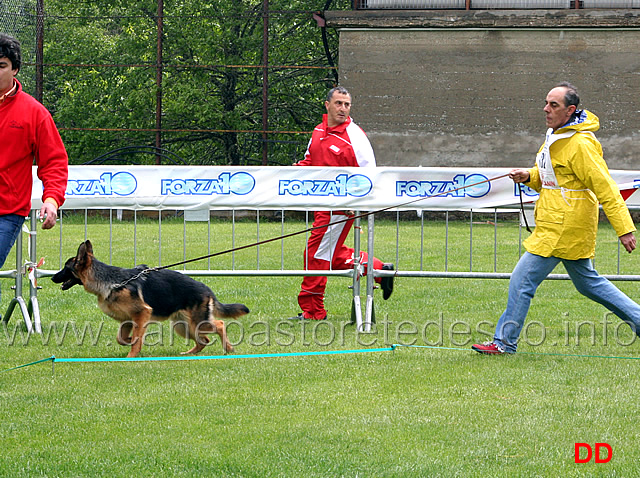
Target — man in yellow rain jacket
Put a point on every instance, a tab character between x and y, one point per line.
572	178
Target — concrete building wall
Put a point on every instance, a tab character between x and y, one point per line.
471	94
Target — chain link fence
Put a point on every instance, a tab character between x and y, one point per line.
19	19
219	82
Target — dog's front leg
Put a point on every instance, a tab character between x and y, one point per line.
140	323
124	333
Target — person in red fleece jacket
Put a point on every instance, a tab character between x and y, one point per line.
27	133
336	142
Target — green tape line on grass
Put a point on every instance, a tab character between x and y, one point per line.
523	353
620	357
219	357
48	359
54	359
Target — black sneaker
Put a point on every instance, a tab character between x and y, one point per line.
297	317
386	283
301	317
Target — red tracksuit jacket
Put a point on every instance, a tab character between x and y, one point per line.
342	145
27	132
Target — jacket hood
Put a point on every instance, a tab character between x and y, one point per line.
582	120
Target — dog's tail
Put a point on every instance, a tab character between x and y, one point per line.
230	311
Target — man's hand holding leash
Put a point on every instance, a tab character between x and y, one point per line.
519	175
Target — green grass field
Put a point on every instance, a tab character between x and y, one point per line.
436	409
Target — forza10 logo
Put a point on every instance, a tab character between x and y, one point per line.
121	184
343	185
239	183
473	185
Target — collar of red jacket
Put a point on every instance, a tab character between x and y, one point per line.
336	129
14	89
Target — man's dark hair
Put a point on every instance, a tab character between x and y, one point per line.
571	96
337	89
10	48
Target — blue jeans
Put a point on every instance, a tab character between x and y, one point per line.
529	273
10	226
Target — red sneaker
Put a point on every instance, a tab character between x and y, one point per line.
488	348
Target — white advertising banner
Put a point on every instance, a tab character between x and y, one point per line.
256	187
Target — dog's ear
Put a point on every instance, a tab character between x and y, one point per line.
85	251
84	248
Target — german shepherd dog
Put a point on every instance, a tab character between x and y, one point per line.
134	298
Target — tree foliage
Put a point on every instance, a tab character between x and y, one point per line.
100	74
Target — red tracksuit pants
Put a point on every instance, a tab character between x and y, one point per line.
326	251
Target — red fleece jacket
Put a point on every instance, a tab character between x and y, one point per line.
340	146
27	132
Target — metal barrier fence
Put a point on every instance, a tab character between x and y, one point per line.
461	238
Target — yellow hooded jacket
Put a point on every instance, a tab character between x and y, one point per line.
567	220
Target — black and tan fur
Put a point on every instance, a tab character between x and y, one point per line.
154	296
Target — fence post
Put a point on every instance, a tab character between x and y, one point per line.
33	308
356	307
18	299
370	314
39	50
159	67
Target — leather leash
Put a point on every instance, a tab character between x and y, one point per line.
350	218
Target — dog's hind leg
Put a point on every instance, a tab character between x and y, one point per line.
218	325
201	342
198	334
221	330
201	339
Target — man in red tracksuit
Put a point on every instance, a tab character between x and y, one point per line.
337	141
27	133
